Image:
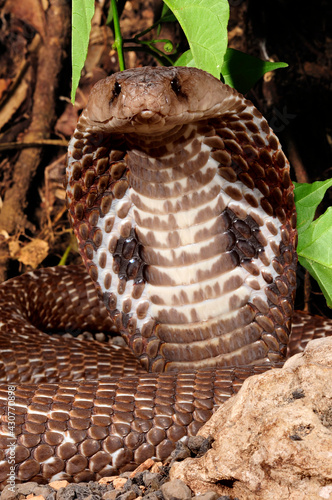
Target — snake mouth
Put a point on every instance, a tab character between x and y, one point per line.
148	117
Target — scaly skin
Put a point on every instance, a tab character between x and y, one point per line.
182	204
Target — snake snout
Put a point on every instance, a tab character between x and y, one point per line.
148	117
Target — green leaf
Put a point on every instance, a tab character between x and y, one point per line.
186	59
82	12
323	276
307	199
315	252
241	71
314	248
204	23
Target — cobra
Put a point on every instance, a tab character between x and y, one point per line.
181	201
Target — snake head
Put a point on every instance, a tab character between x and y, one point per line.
155	99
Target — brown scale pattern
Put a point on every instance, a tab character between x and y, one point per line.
115	423
265	168
95	429
84	429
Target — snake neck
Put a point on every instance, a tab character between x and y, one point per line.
185	254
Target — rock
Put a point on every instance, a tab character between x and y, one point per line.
151	480
82	491
181	451
58	484
209	495
33	489
111	495
273	440
199	445
119	482
156	495
142	467
176	490
128	495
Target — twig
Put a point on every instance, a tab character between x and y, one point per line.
42	142
12	217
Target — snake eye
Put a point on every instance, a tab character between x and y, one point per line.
176	87
116	89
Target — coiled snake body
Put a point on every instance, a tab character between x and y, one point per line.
181	201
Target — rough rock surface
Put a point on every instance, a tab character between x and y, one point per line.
273	440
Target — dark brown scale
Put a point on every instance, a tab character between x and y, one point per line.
243	232
84	231
243	138
281	214
87	161
245	115
94	217
102	184
247	180
102	260
108	281
270	341
77	154
226	133
233	146
261	305
277	196
128	249
89	251
265	157
105	206
87	150
265	322
277	315
251	199
102	166
227	173
272	176
93	272
258	170
233	192
118	169
286	181
281	159
90	199
97	237
222	157
266	206
116	154
77	170
103	151
89	178
127	258
263	187
259	141
77	192
120	188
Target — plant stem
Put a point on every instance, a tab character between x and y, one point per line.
152	50
161	58
118	42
